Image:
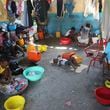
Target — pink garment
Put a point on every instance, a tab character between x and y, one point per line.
19	7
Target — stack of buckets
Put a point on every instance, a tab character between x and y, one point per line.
15	103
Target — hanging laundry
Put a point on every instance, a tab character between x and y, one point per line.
100	5
49	1
59	8
41	9
29	9
11	9
20	7
92	7
69	6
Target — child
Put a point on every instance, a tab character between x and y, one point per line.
71	33
64	62
10	47
5	73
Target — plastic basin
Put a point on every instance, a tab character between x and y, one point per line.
12	27
103	95
15	103
33	73
65	41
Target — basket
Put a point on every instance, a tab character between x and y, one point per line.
15	103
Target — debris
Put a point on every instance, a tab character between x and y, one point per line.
68	103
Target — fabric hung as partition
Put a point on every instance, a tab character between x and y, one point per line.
92	7
20	7
100	5
25	20
41	9
106	20
59	8
11	9
69	6
29	10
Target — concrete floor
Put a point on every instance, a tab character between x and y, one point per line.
61	88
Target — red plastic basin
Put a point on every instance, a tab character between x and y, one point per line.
103	95
65	41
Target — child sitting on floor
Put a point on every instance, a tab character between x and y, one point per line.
64	62
5	72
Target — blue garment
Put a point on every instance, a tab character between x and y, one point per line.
69	6
107	51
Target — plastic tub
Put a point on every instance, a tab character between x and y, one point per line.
103	95
33	73
15	103
12	27
65	41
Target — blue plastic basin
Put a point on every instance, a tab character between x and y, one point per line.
33	73
12	27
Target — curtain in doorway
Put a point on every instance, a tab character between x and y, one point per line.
59	8
106	20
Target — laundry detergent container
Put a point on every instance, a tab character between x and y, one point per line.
15	103
33	73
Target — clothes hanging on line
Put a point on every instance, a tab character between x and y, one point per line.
100	5
106	20
24	18
69	6
29	10
59	8
11	10
41	9
20	7
92	7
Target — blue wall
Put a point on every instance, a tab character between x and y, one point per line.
77	20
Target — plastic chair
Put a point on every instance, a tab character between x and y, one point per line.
94	52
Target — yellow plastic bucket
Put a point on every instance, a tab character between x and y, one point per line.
15	103
58	34
42	48
107	83
31	47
